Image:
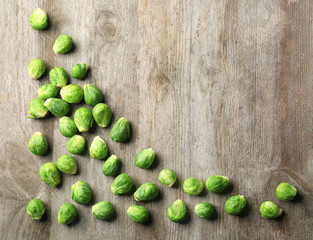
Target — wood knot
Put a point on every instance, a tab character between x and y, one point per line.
107	26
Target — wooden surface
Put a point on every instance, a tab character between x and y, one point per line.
215	87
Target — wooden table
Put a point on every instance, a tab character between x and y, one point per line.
215	87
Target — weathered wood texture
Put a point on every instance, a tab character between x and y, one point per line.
213	86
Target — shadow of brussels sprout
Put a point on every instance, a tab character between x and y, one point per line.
155	163
187	217
298	198
73	49
59	186
76	221
246	211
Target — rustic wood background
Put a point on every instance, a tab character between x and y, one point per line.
215	87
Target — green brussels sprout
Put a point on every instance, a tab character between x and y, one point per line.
102	210
122	184
217	183
286	192
167	177
72	93
79	70
67	164
146	192
38	144
36	209
39	19
67	126
98	148
36	68
269	209
235	205
76	144
67	213
50	174
57	107
192	186
138	214
37	108
145	158
47	91
102	114
63	44
92	95
83	119
177	211
58	76
120	131
205	210
81	192
111	166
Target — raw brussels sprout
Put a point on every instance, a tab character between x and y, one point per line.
146	192
72	93
177	211
36	209
81	192
39	19
98	148
269	209
204	210
92	95
79	70
83	119
286	192
192	186
138	214
145	158
102	114
47	91
122	184
37	109
102	210
76	144
58	76
67	126
67	213
38	144
111	166
57	107
63	44
50	174
36	68
235	205
217	183
120	131
67	164
167	177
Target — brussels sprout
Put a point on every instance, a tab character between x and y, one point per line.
122	184
37	109
67	164
102	114
204	210
217	183
146	192
81	192
98	148
58	76
120	131
83	119
38	144
167	177
286	192
36	209
138	214
235	205
79	70
67	126
47	91
67	213
39	19
145	158
63	44
177	211
36	68
72	93
76	144
269	209
57	107
92	95
102	210
192	186
50	174
111	166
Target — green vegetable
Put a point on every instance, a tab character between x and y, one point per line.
92	95
79	70
205	210
269	209
81	192
192	186
167	177
72	93
83	119
63	44
98	148
217	183
122	184
145	158
120	131
39	19
36	68
57	107
67	213
177	211
58	76
286	192
235	205
102	114
138	214
146	192
50	174
67	164
47	91
38	144
76	144
67	126
111	166
36	209
103	210
37	109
